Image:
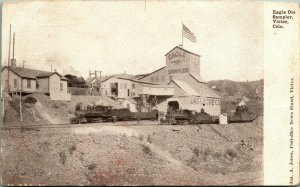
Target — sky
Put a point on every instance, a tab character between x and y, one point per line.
134	36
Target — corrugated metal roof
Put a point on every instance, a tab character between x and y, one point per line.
133	80
198	78
31	73
205	90
152	72
185	87
155	85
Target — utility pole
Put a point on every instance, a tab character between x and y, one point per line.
95	74
8	63
100	83
21	117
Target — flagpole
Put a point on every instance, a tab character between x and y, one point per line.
181	34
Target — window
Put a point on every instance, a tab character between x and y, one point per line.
157	79
61	87
133	86
15	83
152	79
7	84
28	83
170	78
162	78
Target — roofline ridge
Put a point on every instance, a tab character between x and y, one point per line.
197	79
152	72
183	50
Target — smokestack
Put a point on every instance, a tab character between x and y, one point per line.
243	101
95	73
90	73
13	57
13	60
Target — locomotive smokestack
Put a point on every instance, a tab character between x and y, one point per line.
243	101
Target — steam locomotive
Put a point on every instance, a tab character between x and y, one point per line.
108	114
185	117
93	114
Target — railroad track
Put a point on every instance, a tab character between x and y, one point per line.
120	123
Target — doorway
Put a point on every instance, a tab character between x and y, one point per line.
173	106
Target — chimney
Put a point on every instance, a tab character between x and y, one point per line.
90	73
13	60
54	70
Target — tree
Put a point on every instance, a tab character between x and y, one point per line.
74	81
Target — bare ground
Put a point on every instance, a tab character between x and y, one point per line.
106	154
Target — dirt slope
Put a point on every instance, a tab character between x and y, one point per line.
134	155
46	111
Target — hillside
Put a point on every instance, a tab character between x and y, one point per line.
45	111
233	93
119	154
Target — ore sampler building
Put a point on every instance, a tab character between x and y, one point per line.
176	86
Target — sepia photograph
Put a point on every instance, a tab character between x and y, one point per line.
132	93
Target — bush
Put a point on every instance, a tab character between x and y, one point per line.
149	139
30	100
55	105
147	150
207	153
72	149
196	151
141	137
92	166
231	153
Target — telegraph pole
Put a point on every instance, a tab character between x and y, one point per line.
100	83
21	117
8	63
95	74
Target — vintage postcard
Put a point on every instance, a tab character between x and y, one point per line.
149	93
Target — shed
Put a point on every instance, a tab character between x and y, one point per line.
223	119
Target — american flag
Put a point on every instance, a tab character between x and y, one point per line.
188	34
